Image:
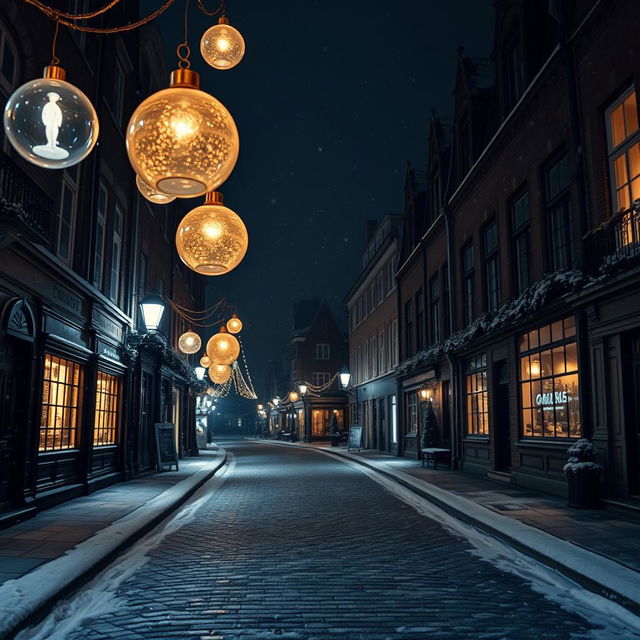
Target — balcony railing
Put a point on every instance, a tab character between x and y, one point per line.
615	241
23	201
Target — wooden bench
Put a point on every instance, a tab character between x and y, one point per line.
433	453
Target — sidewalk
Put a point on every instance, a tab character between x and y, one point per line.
68	541
598	548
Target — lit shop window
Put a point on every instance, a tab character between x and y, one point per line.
60	404
549	381
321	420
477	401
105	427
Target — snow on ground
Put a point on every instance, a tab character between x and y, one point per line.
612	620
98	597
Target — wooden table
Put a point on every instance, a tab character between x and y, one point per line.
433	453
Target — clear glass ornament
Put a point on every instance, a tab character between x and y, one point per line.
212	239
223	348
189	342
222	46
234	324
51	123
181	140
151	194
219	373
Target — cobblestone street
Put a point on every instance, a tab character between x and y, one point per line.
295	544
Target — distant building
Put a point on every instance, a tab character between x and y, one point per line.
525	241
79	249
318	353
373	337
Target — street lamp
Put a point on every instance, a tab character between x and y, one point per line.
200	371
302	388
152	308
345	377
275	401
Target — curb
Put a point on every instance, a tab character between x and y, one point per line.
26	600
591	570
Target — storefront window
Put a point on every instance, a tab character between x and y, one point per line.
477	402
60	404
412	411
321	421
105	428
549	381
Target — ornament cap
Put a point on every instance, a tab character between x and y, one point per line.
213	197
185	78
55	72
223	329
223	20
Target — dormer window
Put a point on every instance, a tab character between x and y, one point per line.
513	76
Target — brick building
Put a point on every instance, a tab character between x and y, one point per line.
529	250
373	337
79	249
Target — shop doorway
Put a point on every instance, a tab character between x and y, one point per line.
502	420
633	425
14	359
145	432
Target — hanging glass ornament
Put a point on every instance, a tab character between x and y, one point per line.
212	239
222	46
205	361
51	123
181	140
219	373
189	342
223	348
234	324
151	194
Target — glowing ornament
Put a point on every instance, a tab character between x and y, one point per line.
222	46
234	324
181	140
205	361
293	396
223	348
219	373
51	123
212	239
189	342
151	194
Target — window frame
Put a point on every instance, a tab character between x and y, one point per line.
70	184
322	351
491	259
468	283
476	370
520	234
107	421
560	201
101	225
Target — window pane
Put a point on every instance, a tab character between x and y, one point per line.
616	120
558	361
630	114
569	326
621	170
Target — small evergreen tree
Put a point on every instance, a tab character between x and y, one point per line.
429	427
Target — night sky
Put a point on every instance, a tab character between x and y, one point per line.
331	100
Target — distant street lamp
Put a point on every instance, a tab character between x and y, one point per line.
345	377
200	371
302	388
152	308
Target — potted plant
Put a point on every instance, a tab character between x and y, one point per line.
583	475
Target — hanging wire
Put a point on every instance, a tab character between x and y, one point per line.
54	58
183	51
53	14
220	10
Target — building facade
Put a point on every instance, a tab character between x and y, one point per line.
80	389
373	337
530	252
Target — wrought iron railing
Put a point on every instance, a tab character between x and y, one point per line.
616	240
21	198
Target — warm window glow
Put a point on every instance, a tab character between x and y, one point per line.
477	399
321	421
549	385
59	420
105	428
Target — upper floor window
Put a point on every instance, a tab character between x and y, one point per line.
116	254
101	223
477	397
446	326
8	61
319	379
492	266
520	243
434	290
420	322
408	328
78	7
624	162
322	352
67	216
117	96
557	181
468	289
513	80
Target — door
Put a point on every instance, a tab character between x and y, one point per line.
13	418
145	431
382	419
633	426
502	418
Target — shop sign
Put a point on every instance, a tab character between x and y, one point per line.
552	399
109	352
107	325
59	328
66	299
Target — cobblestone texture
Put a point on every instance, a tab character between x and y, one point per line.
296	545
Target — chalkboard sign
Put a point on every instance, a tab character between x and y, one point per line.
165	446
355	438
